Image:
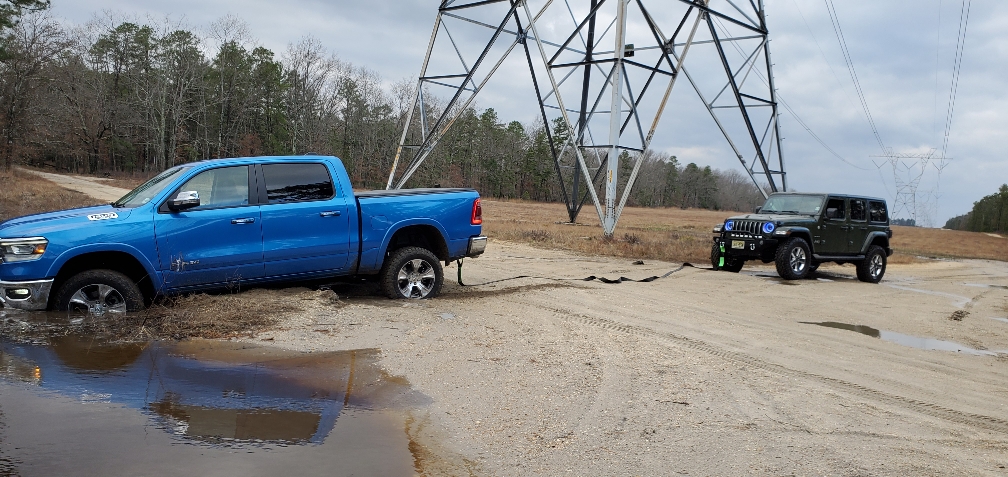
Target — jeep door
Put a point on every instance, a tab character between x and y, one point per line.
857	231
217	242
306	228
834	226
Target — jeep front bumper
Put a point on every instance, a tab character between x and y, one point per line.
746	246
33	295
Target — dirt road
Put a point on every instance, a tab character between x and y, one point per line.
88	185
698	373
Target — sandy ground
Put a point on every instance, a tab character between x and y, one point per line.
699	373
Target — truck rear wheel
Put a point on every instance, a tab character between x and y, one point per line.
97	292
412	272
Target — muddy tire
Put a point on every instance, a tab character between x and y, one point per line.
872	268
793	259
97	292
412	272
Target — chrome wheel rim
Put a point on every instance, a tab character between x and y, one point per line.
798	260
97	300
416	278
875	267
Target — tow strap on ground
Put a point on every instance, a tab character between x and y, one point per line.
585	279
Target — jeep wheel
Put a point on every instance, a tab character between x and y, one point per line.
97	292
793	259
729	265
873	266
412	272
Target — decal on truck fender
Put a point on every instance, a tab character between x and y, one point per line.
103	216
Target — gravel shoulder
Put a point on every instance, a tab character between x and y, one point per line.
702	373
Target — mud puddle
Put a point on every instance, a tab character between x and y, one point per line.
930	344
75	405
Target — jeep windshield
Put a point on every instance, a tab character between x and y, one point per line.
793	204
146	191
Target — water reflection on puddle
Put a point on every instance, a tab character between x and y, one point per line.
905	340
221	396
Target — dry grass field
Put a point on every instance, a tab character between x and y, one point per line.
685	235
22	193
643	233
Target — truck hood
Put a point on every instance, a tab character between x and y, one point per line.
61	220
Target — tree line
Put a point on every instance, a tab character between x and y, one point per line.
989	214
134	96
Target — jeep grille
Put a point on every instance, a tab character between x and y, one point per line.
752	227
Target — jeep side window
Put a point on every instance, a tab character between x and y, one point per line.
878	212
835	209
857	210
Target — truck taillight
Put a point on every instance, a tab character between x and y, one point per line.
477	213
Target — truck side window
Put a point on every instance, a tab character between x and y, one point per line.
297	182
835	209
878	212
222	187
857	210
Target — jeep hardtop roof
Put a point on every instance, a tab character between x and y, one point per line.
830	194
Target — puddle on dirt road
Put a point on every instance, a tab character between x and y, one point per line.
930	344
73	405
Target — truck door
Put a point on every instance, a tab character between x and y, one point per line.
834	223
306	228
858	226
218	242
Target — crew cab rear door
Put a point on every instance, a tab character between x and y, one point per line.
306	228
218	242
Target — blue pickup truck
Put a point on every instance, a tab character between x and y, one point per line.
227	222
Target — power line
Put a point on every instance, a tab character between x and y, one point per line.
850	67
960	45
934	121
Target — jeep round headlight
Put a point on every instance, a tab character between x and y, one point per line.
768	227
729	225
21	250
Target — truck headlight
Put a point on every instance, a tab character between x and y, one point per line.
729	225
23	249
768	227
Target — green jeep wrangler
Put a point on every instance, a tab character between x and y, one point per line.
799	231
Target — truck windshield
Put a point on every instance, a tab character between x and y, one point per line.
146	191
793	204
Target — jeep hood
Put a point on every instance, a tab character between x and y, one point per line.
782	218
39	224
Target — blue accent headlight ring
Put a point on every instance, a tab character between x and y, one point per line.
729	225
769	227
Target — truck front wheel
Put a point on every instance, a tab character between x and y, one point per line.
97	292
412	272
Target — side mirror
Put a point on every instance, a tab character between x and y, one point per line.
184	200
832	213
757	210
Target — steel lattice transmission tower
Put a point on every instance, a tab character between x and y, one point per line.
603	72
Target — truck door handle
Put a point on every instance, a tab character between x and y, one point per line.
331	213
864	228
243	221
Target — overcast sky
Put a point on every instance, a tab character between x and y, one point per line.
902	62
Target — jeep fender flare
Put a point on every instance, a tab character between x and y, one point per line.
876	238
802	232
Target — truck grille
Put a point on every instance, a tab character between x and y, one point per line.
752	227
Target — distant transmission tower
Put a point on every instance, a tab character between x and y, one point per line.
603	72
908	171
